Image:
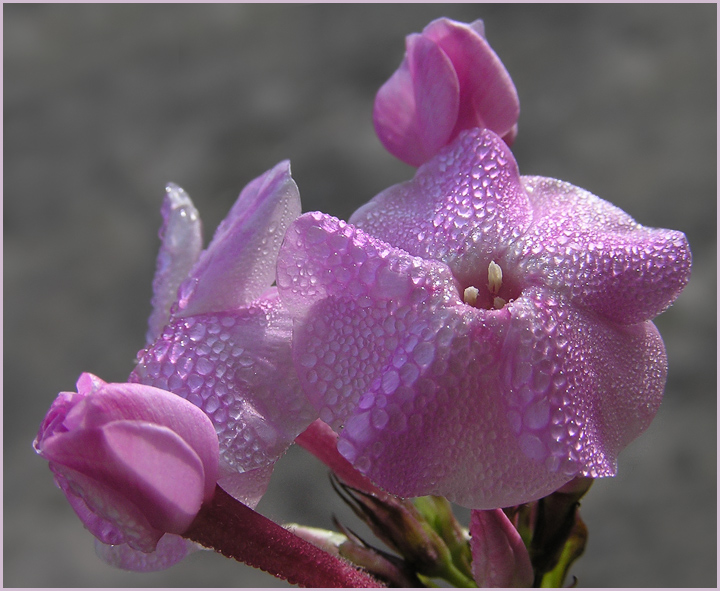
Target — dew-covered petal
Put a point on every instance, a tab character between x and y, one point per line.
416	109
170	550
236	366
488	98
239	264
499	556
468	207
464	207
578	389
446	432
180	247
356	298
150	465
597	255
403	369
324	256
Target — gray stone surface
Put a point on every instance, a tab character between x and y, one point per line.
106	103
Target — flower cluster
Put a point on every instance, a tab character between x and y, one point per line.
472	334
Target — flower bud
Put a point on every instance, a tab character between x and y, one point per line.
449	80
402	527
438	513
500	558
558	524
134	461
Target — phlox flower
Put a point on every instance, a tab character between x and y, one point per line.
479	335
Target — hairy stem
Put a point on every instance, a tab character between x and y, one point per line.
236	531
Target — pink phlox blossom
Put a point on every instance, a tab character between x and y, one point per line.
449	80
480	335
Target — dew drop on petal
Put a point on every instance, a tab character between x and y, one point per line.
390	381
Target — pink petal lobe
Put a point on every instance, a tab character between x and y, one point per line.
105	512
416	109
500	558
181	244
88	384
578	389
169	475
380	277
153	405
488	98
239	264
247	487
595	253
464	207
478	26
56	420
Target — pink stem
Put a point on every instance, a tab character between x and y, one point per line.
236	531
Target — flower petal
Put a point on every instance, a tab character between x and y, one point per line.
181	244
500	558
106	512
239	264
596	254
89	384
416	109
236	367
170	550
55	420
247	487
464	207
488	98
139	402
578	389
340	282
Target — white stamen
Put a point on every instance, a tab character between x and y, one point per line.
470	295
494	277
499	303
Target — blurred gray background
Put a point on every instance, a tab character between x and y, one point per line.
106	103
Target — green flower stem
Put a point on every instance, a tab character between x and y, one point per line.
456	577
572	550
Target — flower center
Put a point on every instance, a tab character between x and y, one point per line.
487	298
